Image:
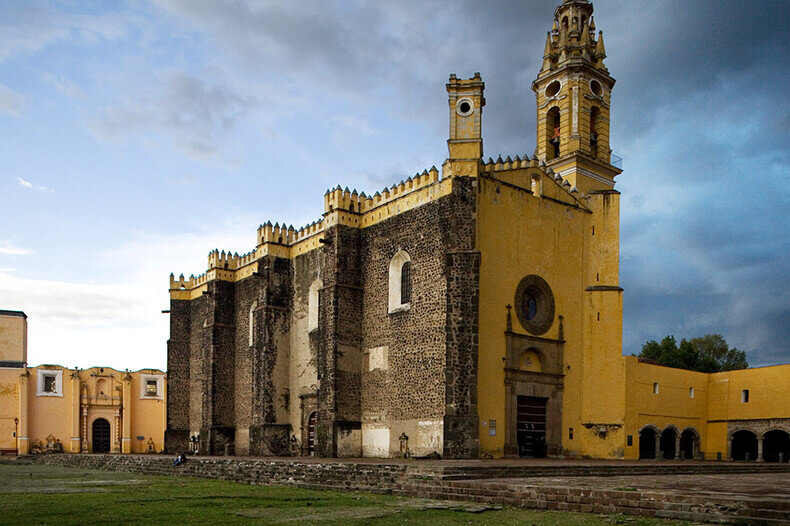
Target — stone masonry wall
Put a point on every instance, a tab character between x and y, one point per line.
406	383
461	439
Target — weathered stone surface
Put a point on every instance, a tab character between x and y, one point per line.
380	381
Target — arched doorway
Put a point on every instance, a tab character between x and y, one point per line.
744	445
312	420
688	444
101	436
647	443
776	446
667	445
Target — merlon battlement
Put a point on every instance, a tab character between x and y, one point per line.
510	164
355	202
268	233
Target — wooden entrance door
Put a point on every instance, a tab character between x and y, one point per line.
312	420
531	426
101	436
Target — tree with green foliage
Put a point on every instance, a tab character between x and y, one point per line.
707	354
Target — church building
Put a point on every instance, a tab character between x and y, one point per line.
473	310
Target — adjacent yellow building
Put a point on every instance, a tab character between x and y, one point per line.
50	408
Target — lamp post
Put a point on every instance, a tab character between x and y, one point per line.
16	434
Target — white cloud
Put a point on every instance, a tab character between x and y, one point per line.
359	125
65	86
195	113
117	324
8	249
10	101
40	188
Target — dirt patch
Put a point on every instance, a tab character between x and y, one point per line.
316	513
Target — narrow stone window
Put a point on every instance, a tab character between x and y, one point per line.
655	388
691	392
570	433
50	382
405	283
745	396
252	322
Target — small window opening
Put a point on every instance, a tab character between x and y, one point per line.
465	107
49	384
599	316
691	392
745	396
351	207
597	276
570	433
593	230
405	283
151	388
630	440
655	388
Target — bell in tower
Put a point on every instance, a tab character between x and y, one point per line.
573	91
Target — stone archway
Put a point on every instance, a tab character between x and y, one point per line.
689	444
776	446
668	444
648	436
743	445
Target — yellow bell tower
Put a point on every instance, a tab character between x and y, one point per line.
573	91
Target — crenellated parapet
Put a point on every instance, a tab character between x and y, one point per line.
360	203
341	207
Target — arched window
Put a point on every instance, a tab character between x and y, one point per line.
405	283
312	305
252	322
400	282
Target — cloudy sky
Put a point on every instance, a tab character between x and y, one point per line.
136	136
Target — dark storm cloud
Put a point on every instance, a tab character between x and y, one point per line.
701	114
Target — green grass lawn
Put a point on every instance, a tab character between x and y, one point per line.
48	495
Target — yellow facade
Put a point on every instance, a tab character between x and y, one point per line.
50	408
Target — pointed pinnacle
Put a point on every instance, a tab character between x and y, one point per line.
600	50
547	51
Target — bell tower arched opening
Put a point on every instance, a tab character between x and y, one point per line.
553	133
